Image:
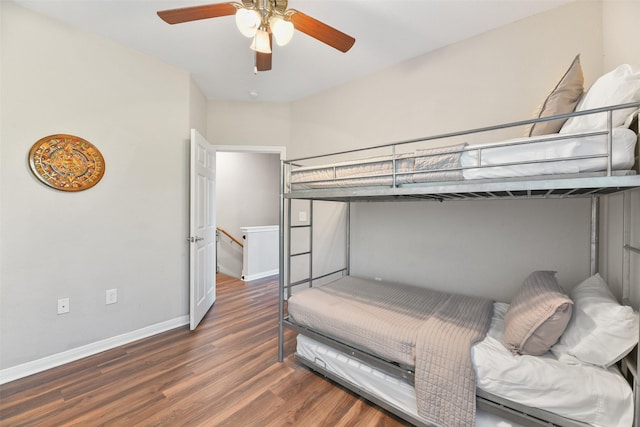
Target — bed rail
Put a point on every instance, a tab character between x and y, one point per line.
397	185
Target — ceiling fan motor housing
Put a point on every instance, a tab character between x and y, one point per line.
267	7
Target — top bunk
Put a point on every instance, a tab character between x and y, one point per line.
594	161
571	149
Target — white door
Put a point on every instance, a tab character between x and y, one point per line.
202	255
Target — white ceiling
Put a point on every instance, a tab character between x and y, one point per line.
218	56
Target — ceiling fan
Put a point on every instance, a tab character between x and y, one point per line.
263	20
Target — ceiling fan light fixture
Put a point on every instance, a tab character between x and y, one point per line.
281	29
247	21
261	42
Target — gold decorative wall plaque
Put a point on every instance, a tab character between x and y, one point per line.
66	162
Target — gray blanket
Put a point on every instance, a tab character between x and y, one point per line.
446	385
429	330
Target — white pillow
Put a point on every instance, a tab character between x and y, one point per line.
601	331
620	86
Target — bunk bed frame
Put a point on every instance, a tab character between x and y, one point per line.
583	185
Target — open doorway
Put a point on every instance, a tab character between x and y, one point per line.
247	195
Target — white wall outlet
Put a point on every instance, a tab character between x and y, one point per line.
302	216
63	305
111	296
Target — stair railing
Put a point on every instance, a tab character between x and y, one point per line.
233	239
226	233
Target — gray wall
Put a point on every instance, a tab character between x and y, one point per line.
481	248
129	231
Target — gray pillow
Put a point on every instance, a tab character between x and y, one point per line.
562	100
537	316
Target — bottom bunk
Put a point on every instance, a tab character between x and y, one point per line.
550	389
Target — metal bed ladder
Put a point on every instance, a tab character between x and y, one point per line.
285	279
308	253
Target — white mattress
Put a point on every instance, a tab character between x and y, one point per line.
589	394
378	171
624	142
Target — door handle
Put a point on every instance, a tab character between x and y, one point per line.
194	239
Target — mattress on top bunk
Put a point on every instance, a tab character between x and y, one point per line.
543	155
429	330
586	393
623	153
356	173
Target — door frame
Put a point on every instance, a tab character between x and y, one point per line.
259	149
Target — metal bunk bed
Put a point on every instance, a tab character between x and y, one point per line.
591	185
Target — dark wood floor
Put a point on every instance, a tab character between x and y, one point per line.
223	374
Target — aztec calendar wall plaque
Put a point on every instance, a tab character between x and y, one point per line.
66	162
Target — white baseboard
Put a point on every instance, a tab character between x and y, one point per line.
30	368
260	275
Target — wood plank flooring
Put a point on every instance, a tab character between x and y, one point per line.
223	374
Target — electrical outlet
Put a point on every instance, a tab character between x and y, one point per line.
63	305
302	216
111	296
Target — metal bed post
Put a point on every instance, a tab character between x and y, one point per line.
310	243
609	142
636	397
626	288
281	266
595	220
628	249
626	239
348	248
289	228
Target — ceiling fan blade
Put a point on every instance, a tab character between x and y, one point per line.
187	14
263	60
321	31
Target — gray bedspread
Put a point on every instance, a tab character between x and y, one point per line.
429	330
